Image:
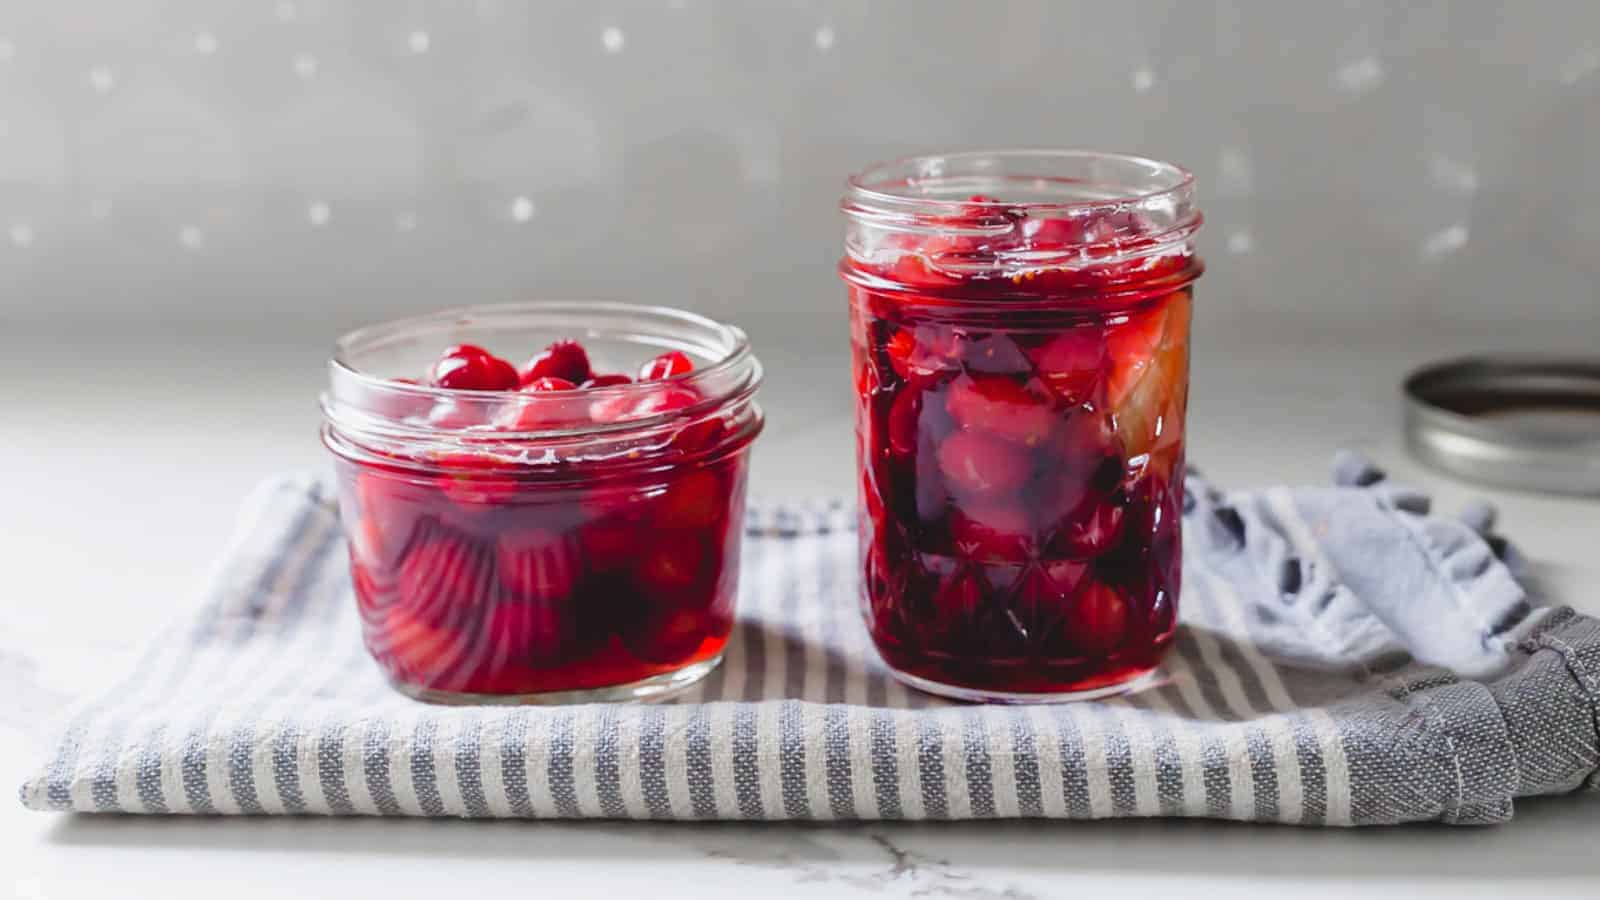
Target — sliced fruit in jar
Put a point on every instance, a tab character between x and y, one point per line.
1131	342
977	464
420	652
536	564
666	365
1071	363
670	633
1150	416
1097	621
469	367
566	360
998	405
697	500
904	414
446	577
993	353
995	532
1044	592
524	633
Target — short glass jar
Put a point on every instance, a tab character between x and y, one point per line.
557	547
1020	335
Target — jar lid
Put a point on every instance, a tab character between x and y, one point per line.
1520	422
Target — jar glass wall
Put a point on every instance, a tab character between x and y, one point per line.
544	547
1020	335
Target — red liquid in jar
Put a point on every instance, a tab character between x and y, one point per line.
479	573
1022	451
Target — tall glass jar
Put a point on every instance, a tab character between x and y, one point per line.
556	547
1020	337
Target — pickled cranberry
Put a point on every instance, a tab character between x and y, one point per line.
696	501
468	367
1000	406
539	415
671	564
667	634
610	380
566	360
1097	620
666	365
980	465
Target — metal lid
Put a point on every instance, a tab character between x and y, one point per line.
1511	421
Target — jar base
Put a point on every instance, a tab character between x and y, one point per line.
1136	682
656	687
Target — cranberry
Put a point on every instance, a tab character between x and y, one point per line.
539	415
672	564
549	383
1071	363
535	564
669	634
602	381
451	415
981	465
467	367
998	532
565	360
627	405
667	365
1097	620
999	406
695	502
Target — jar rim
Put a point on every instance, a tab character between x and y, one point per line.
730	377
929	168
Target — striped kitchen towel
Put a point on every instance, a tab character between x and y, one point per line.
1345	658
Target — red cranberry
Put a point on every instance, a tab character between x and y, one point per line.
693	502
538	415
450	415
666	365
467	367
565	360
998	532
535	564
999	406
1097	620
610	380
978	464
529	633
1071	363
670	634
627	405
671	565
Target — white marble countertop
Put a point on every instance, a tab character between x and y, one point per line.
124	476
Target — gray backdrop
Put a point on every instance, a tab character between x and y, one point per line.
287	169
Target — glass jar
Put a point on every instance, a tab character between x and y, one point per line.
1020	337
559	547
